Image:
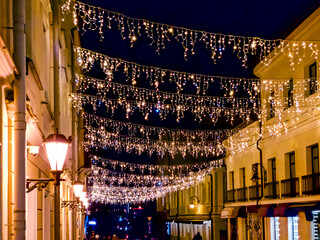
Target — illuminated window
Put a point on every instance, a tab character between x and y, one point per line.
293	233
274	228
316	224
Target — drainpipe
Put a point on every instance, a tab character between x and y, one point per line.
211	205
177	215
56	90
74	136
262	174
19	88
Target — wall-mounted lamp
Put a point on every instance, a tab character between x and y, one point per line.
194	202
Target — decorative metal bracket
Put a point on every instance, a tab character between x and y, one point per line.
39	183
70	204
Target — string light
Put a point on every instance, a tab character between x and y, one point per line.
108	177
154	169
99	138
240	107
95	18
133	71
152	131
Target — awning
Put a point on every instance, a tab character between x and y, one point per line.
280	210
293	210
266	211
233	212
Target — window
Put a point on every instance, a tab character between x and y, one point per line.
312	78
271	106
242	177
293	233
274	228
292	165
315	159
273	169
288	94
231	180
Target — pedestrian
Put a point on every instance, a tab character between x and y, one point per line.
197	237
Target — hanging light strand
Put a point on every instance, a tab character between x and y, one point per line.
131	29
146	131
100	138
109	177
240	107
157	76
153	169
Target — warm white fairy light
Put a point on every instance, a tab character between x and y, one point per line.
133	71
100	138
151	131
108	177
239	107
102	192
94	18
154	169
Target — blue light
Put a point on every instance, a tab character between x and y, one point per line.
159	183
157	110
92	223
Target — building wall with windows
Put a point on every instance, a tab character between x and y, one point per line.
290	138
39	114
184	222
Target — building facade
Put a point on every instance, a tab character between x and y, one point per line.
39	120
196	209
273	182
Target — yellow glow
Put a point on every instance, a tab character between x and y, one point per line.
192	206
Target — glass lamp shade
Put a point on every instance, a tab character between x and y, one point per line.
192	206
77	188
83	196
57	148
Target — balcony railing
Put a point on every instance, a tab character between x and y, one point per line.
290	187
230	195
311	184
254	192
242	194
271	190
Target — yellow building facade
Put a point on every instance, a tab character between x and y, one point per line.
196	209
39	117
289	144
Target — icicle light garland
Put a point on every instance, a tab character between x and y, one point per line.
112	178
100	138
96	18
152	131
133	71
153	169
101	192
124	195
239	107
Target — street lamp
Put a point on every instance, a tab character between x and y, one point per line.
77	188
194	202
57	148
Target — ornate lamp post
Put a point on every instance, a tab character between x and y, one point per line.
57	149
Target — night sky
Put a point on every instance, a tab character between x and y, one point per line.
265	19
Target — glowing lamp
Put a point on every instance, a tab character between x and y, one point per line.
57	148
83	196
77	188
192	206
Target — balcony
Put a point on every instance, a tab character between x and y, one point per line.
271	190
311	184
254	192
242	194
290	187
230	195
